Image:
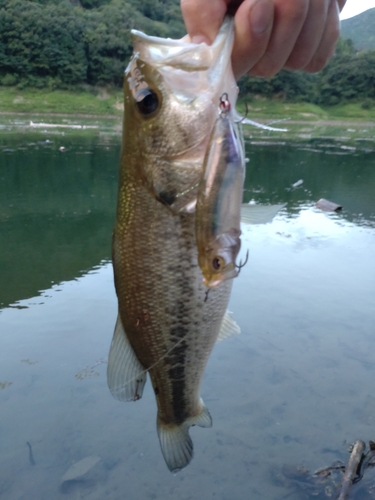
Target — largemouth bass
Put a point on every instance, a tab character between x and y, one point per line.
167	325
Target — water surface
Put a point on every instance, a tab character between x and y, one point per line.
296	387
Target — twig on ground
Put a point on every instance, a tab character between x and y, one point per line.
351	469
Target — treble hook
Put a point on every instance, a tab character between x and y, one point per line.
241	265
246	113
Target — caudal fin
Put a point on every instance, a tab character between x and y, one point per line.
175	441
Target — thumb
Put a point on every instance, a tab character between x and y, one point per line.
203	18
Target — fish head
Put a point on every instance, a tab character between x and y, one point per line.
171	95
164	123
218	263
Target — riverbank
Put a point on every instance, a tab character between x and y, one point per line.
90	102
108	103
99	111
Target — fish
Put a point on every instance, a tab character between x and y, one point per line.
219	200
167	325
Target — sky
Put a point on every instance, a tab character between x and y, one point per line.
354	7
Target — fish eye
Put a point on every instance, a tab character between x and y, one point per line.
147	101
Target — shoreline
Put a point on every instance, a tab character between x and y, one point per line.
107	104
61	115
263	120
328	123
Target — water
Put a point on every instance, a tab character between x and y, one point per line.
296	387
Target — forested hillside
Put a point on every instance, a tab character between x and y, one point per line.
70	43
361	30
60	42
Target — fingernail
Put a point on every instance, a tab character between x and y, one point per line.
200	39
261	16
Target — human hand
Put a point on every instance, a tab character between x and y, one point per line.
270	35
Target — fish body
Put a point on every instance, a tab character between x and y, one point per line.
167	325
218	212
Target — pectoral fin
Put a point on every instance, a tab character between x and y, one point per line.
228	328
126	376
259	214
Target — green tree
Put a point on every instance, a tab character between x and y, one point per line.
286	85
93	4
350	75
108	39
38	41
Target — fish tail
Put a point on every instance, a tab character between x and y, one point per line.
176	445
175	441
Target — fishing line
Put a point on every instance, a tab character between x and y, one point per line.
153	366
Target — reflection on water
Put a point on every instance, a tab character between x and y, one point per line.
56	209
346	176
295	387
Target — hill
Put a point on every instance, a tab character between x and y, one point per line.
360	29
63	43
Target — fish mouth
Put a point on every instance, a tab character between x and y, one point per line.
182	53
190	69
212	284
215	281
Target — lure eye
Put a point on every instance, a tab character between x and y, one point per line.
147	101
216	264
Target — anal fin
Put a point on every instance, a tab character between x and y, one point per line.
204	418
126	376
228	328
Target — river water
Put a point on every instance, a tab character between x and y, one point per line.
296	387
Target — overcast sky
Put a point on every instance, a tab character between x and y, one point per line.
354	7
